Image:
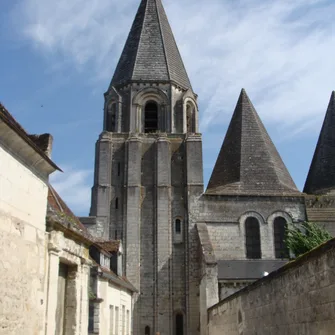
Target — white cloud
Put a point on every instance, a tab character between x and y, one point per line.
74	186
280	51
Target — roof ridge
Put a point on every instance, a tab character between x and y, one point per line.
162	35
139	40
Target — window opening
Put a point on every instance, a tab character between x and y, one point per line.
111	320
118	169
117	203
123	320
151	117
111	118
128	320
147	330
253	241
190	119
178	226
279	229
179	324
117	327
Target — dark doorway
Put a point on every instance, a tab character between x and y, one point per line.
252	238
279	229
151	117
147	330
61	298
179	324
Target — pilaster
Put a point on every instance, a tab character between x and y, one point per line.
133	218
53	269
163	243
101	193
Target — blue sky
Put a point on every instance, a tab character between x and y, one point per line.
58	57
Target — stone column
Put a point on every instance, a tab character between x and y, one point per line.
53	271
163	237
101	193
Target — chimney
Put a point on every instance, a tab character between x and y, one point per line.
44	142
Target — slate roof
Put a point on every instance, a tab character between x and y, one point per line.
321	176
249	163
247	269
151	52
37	142
59	212
111	246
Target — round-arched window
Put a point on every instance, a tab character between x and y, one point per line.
279	231
252	238
151	117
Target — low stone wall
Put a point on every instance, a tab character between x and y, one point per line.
299	298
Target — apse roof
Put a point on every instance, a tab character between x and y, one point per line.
249	163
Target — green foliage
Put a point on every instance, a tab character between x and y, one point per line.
91	294
305	237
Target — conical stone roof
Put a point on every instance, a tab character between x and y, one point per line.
321	176
151	52
249	163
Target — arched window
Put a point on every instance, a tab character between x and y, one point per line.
279	230
111	118
252	238
190	118
179	324
178	226
151	117
147	330
178	235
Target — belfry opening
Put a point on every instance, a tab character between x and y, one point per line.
151	117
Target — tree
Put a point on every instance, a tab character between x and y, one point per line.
305	237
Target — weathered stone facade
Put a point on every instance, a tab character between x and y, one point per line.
23	202
297	299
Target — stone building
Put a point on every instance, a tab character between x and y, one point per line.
24	171
53	270
84	285
183	248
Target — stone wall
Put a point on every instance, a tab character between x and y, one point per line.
296	299
23	199
115	310
225	217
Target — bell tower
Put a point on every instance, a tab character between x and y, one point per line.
148	176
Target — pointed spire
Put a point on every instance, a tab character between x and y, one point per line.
321	176
249	163
151	52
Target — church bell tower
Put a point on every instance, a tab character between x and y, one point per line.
148	175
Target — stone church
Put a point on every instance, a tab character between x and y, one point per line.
186	248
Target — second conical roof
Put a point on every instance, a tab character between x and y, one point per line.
249	163
321	176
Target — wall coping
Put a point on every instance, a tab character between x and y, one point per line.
318	251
